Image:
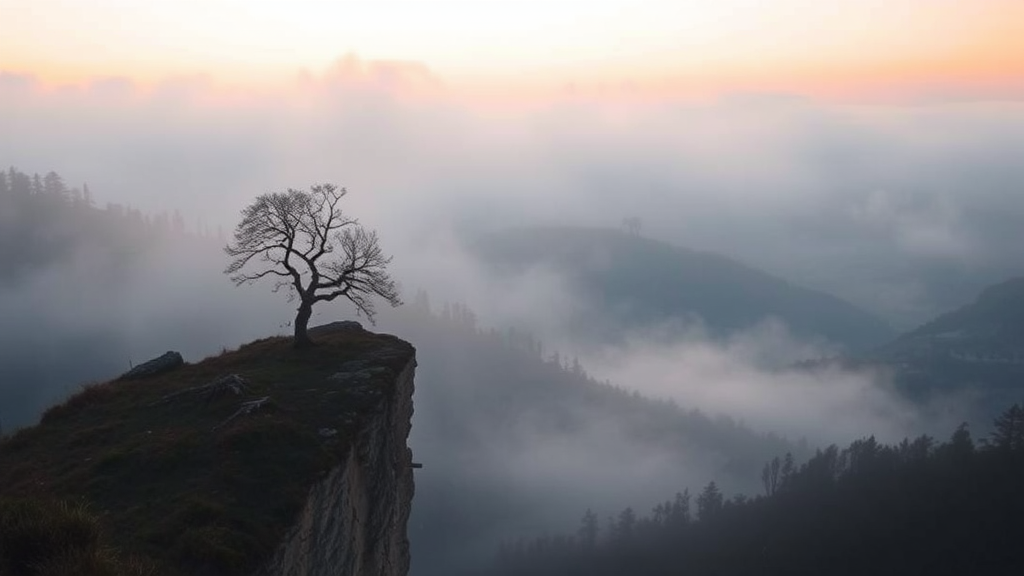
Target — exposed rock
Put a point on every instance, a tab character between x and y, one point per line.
335	327
354	520
165	363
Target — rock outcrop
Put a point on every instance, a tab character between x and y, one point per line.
159	365
354	521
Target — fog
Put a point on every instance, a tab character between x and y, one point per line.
906	211
750	377
870	202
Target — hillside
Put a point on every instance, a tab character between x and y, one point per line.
978	347
993	325
202	469
632	282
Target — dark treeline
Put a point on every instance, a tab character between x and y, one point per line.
918	507
43	221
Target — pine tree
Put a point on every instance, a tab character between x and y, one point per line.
20	183
680	511
1009	429
710	502
37	184
626	526
589	530
54	187
87	196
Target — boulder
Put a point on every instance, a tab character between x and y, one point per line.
335	327
165	363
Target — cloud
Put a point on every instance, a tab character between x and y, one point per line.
750	378
930	227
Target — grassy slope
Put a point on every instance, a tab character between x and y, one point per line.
169	487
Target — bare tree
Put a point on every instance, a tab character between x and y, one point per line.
304	242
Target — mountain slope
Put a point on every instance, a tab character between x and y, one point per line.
979	347
995	321
634	282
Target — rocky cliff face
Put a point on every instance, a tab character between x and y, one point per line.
354	521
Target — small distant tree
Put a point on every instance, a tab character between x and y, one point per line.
1009	429
625	528
710	502
770	476
589	530
304	242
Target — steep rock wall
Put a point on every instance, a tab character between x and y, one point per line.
354	521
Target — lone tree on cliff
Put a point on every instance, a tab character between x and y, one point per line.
304	242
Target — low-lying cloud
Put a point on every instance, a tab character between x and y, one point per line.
752	377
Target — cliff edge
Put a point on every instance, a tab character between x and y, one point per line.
263	461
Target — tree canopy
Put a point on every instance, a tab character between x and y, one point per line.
305	243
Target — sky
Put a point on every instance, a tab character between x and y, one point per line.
863	49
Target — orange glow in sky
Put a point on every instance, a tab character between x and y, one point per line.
811	46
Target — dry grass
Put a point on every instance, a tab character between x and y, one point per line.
58	538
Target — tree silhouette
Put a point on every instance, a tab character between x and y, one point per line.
709	502
589	529
1009	429
307	244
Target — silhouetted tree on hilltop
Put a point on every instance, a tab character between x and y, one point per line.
307	244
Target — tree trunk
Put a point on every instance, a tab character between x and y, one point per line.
302	325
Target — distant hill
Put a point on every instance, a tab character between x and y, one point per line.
979	347
995	321
635	282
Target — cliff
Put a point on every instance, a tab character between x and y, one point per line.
262	461
354	520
